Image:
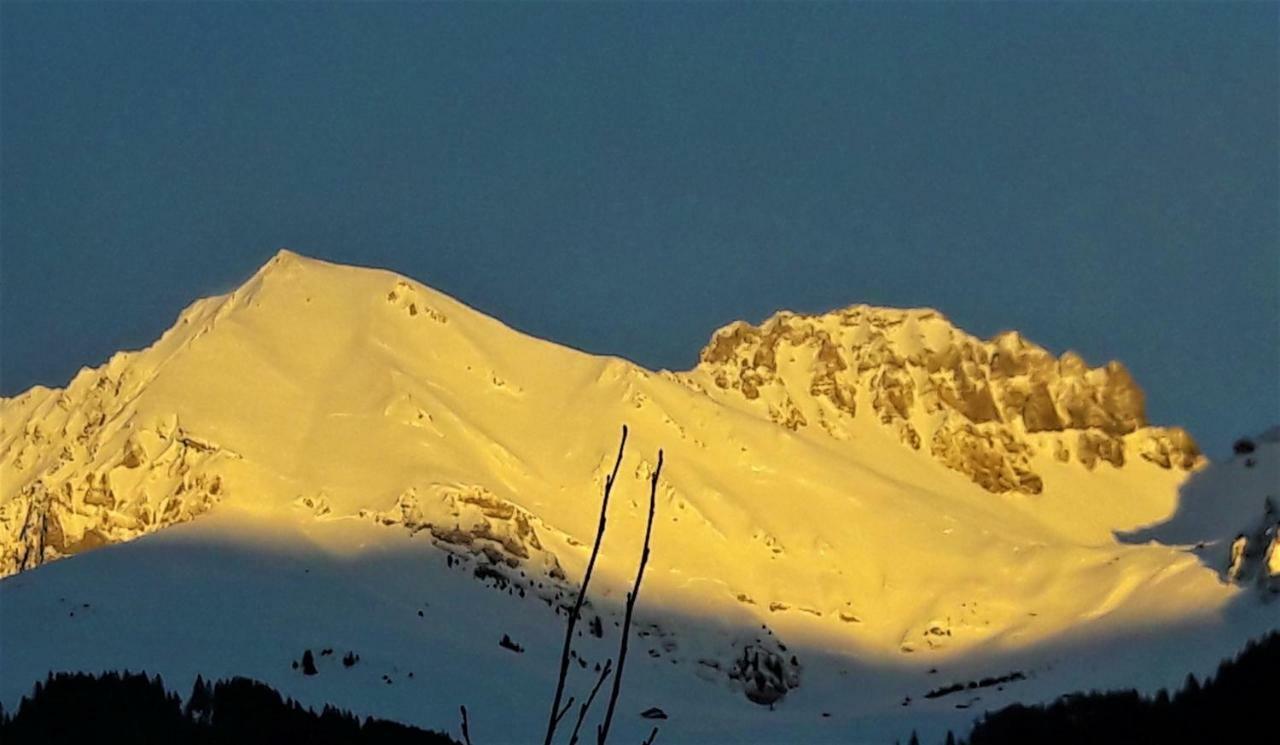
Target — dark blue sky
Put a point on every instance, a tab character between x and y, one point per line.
624	179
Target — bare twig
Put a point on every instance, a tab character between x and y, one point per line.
652	736
582	712
602	732
564	711
582	594
466	732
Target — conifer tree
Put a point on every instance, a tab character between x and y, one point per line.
199	706
308	663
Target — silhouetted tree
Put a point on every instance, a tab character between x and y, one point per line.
199	707
308	663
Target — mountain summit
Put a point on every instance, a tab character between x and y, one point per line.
869	482
313	370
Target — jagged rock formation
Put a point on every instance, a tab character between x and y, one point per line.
474	521
81	471
1254	557
983	408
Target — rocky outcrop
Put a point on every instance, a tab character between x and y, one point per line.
1168	447
1254	557
765	675
990	456
1271	560
984	408
81	470
472	520
407	298
1097	446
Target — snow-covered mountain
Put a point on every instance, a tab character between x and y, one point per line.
865	505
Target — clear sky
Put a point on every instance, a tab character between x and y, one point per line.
1104	177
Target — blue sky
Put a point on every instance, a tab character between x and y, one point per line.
626	178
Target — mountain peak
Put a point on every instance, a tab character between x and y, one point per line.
282	261
285	254
285	257
310	370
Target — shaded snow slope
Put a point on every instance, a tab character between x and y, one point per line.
870	491
1229	515
231	593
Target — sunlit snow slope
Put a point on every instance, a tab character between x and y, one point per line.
856	499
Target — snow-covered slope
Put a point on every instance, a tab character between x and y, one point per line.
856	499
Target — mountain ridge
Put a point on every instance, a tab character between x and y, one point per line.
329	429
907	378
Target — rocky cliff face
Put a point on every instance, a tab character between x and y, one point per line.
983	408
82	471
1255	553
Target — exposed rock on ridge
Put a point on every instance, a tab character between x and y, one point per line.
85	472
983	408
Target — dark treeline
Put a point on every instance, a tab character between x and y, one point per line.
1235	705
131	708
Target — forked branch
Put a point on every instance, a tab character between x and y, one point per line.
582	712
564	711
554	718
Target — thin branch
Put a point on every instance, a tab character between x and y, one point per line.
564	711
582	712
652	735
466	732
602	732
582	594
